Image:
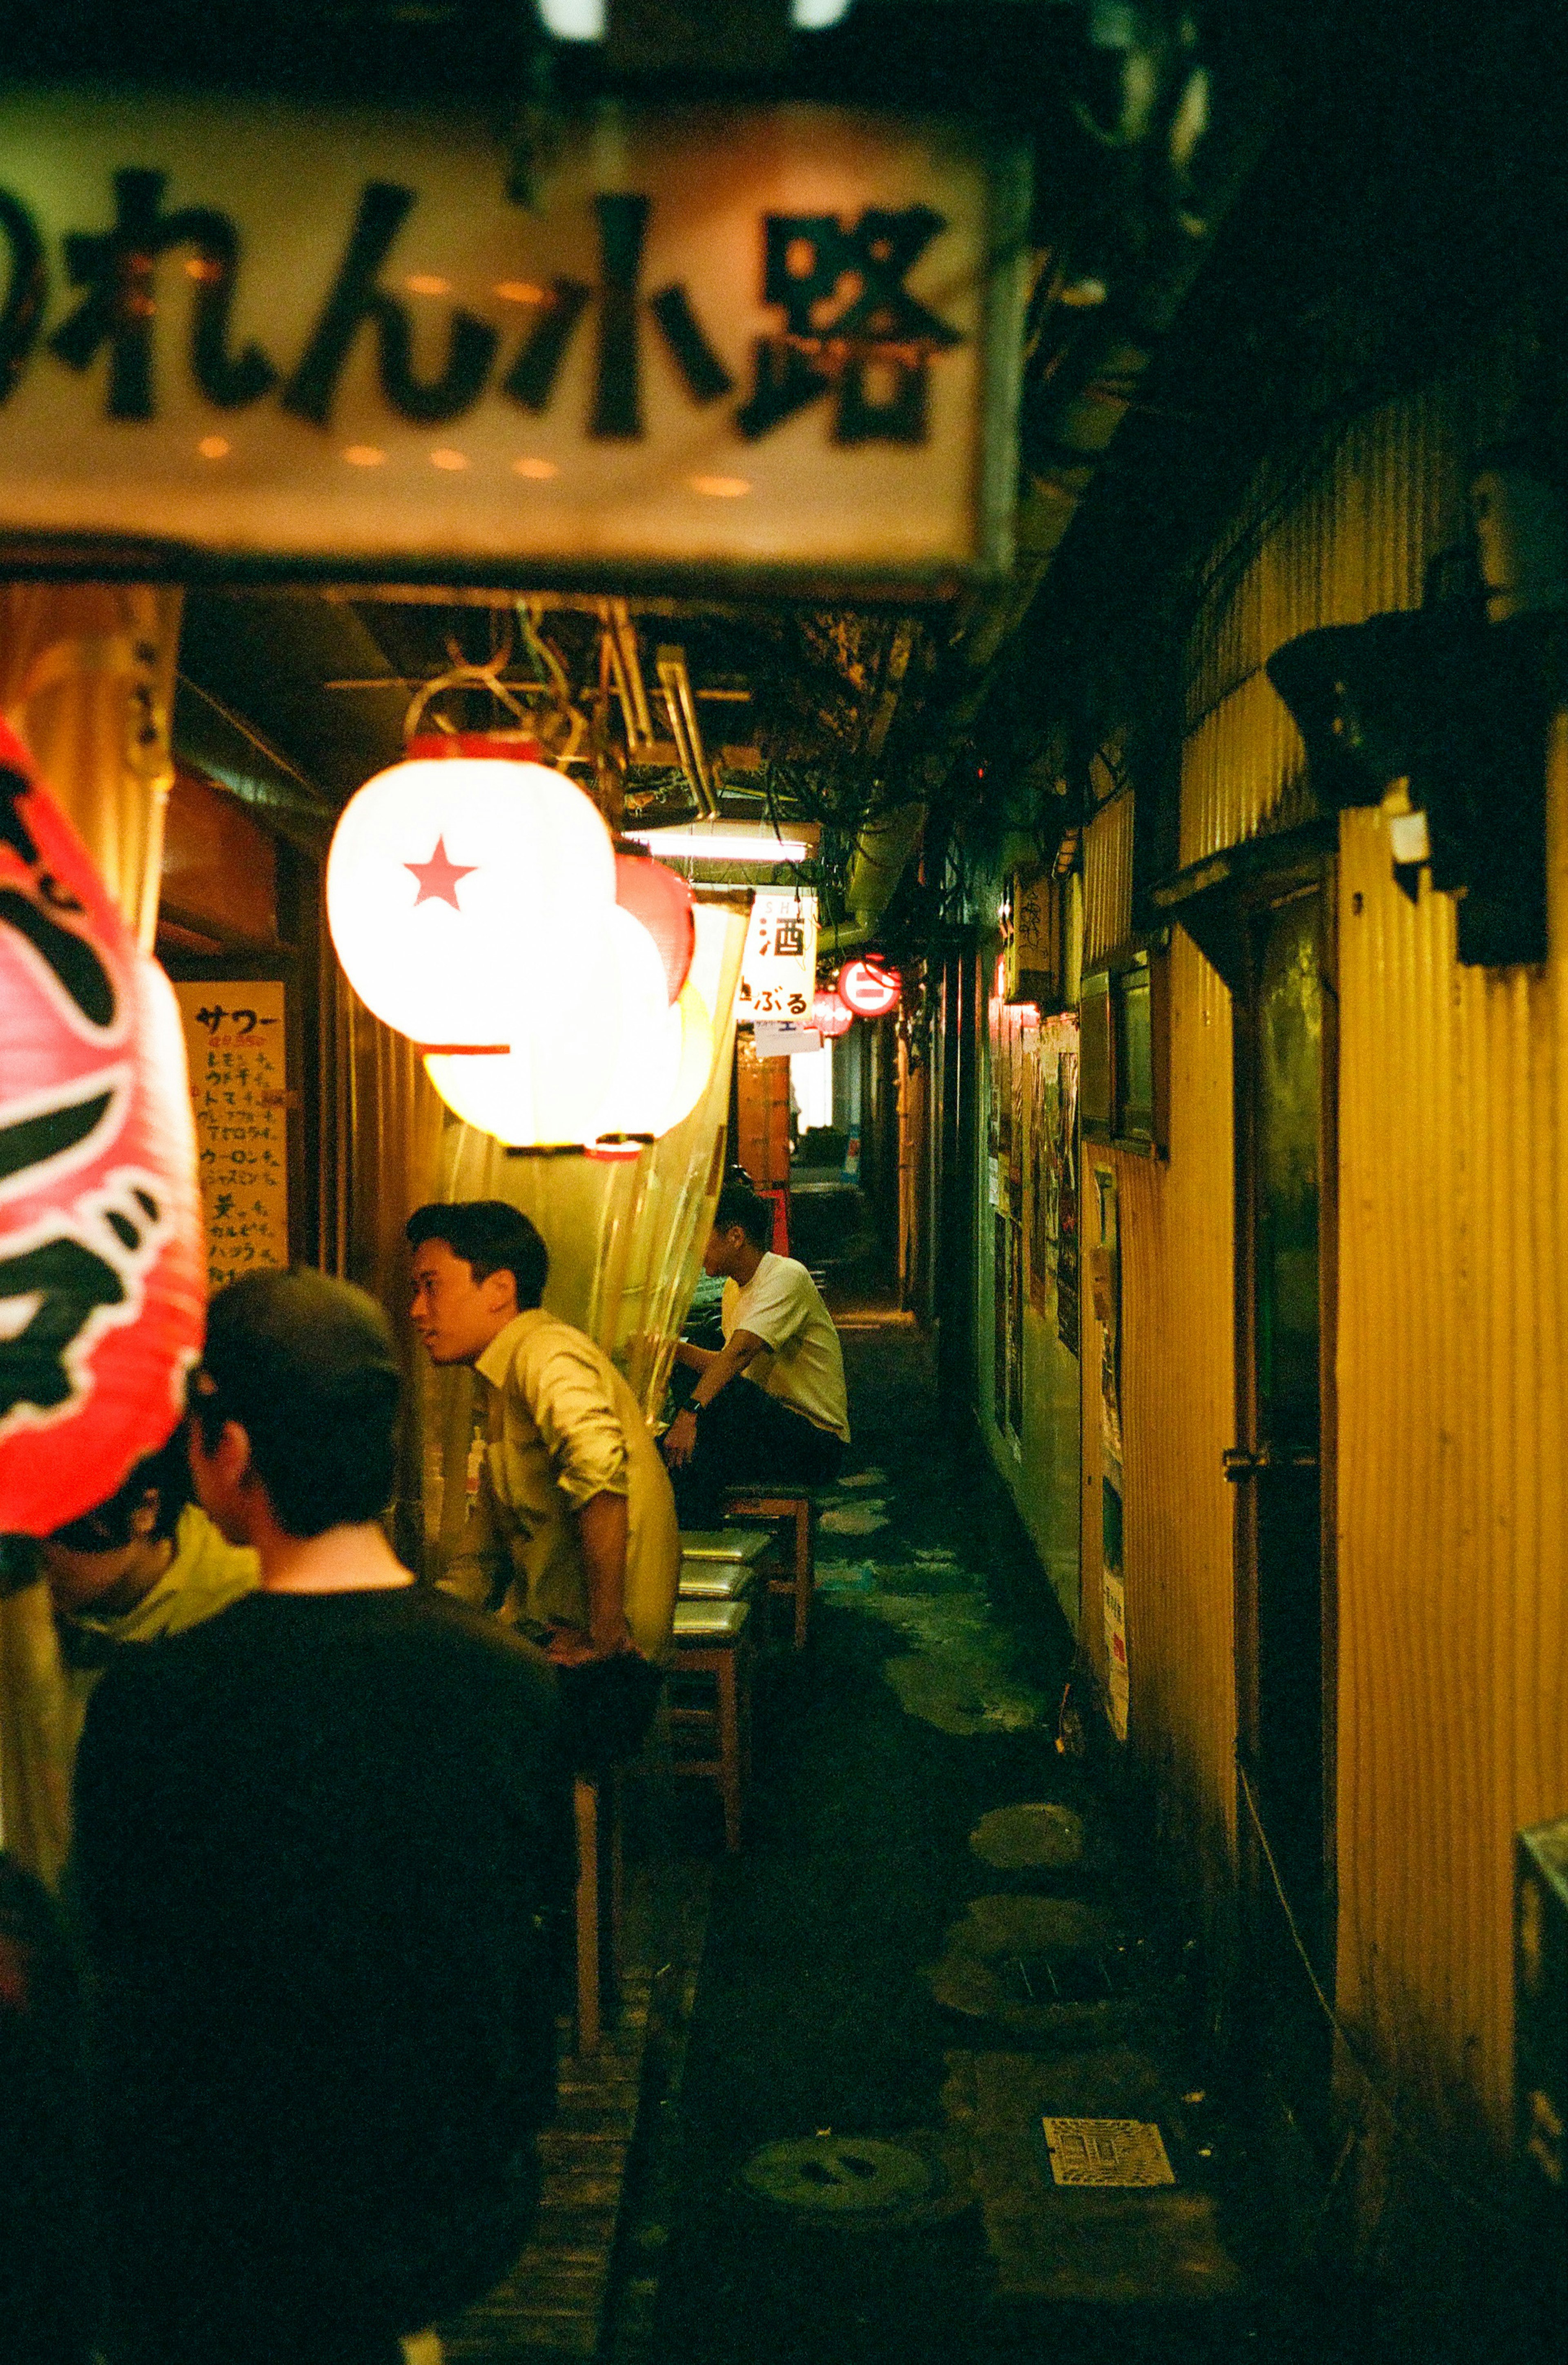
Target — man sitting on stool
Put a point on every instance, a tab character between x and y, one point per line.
769	1404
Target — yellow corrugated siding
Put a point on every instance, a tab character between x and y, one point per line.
1107	882
1353	537
1452	1321
1178	1416
1454	1649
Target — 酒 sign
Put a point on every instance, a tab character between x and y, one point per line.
779	967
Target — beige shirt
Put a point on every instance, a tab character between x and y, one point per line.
800	1362
563	1427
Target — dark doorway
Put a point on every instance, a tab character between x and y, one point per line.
1284	1233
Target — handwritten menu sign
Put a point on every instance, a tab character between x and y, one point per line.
235	1038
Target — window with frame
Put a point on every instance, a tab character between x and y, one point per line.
1121	1098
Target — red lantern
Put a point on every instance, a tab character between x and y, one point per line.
101	1251
829	1016
869	990
661	898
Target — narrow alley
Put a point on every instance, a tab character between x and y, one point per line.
783	1105
950	1921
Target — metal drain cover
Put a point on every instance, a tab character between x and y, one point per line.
844	2179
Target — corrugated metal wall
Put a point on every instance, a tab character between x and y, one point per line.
1107	882
1452	1325
1351	538
1453	1436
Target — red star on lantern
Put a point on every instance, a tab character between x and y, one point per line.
438	878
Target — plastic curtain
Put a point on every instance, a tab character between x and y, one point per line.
382	1124
625	1235
86	679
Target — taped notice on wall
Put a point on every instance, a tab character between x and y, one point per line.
1107	2151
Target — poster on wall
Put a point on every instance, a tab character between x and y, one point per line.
235	1042
1025	1039
1114	1601
1067	1201
1105	1289
1105	1279
1041	1185
1015	1335
998	1298
1001	1093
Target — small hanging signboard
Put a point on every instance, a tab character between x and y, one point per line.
779	967
235	1039
288	340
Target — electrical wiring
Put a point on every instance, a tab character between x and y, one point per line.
1353	2054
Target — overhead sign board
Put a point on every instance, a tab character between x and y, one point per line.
778	965
240	335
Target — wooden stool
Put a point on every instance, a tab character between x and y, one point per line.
596	1806
711	1640
798	1508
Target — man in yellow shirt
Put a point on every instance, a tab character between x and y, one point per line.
573	1537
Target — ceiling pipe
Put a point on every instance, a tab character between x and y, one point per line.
675	683
639	722
881	851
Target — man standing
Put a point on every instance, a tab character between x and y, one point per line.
771	1404
573	1536
315	1837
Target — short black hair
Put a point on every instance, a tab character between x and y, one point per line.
166	1472
490	1238
740	1203
307	1367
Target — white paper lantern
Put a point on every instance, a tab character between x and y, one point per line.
596	1062
466	894
624	1062
644	1068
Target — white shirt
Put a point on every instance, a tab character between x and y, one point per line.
800	1361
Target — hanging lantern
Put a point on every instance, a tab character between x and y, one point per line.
869	990
644	1067
468	893
605	1061
101	1250
695	1066
829	1016
646	1072
660	898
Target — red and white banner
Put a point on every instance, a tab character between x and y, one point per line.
101	1294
